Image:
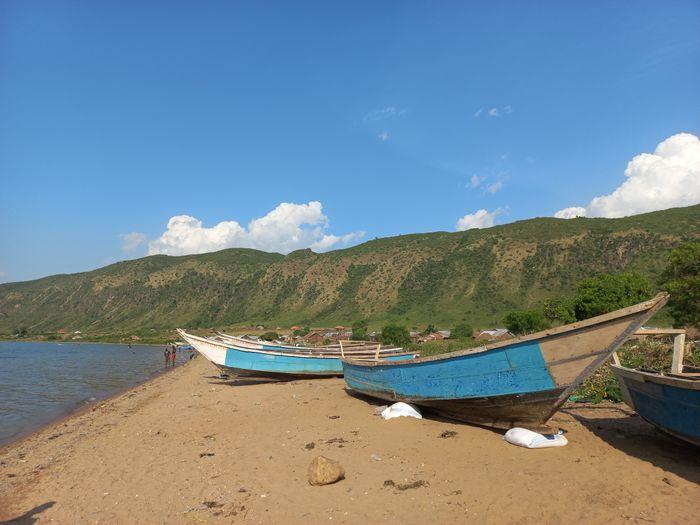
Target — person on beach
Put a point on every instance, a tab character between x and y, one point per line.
173	354
166	354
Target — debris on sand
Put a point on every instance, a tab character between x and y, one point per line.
310	446
406	486
448	434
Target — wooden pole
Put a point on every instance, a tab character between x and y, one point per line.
376	356
342	354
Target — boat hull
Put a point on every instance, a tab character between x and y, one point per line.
246	362
669	403
521	382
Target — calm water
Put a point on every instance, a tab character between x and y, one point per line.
40	382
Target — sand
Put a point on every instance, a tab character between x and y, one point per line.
187	447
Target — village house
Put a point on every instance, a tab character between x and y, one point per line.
493	334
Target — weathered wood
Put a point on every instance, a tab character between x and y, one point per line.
678	353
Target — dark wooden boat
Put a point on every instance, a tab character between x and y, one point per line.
520	382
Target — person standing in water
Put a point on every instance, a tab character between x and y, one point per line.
173	354
166	354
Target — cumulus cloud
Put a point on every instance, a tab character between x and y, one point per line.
667	178
384	136
287	228
479	219
131	241
493	188
571	213
475	181
493	112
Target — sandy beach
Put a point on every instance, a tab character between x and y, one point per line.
187	447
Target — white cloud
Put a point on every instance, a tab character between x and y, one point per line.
478	112
384	136
131	241
667	178
508	109
493	188
571	213
287	228
385	113
493	112
478	219
475	181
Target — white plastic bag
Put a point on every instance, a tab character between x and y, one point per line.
401	409
529	439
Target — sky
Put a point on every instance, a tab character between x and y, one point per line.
132	128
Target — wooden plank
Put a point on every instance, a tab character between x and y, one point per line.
678	353
659	331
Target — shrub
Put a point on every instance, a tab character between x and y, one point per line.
682	279
607	292
462	331
270	336
525	322
393	334
359	330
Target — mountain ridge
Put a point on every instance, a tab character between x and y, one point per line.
439	277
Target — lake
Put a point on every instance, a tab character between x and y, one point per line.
41	382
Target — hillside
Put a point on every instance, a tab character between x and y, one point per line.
476	275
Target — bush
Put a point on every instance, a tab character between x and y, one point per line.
682	280
359	330
393	334
270	336
607	292
561	310
462	331
301	332
525	322
650	354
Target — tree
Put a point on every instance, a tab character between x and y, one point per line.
393	334
607	292
525	322
270	336
21	332
681	279
462	331
359	330
561	310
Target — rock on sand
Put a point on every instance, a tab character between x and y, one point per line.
324	471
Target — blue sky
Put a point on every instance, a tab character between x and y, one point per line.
117	116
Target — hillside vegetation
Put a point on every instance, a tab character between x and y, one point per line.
442	278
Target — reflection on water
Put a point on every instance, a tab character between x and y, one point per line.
40	382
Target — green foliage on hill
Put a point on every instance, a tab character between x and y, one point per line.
393	334
474	277
682	279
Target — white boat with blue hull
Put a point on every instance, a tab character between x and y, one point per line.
248	362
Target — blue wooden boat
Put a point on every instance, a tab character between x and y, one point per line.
520	382
670	402
274	364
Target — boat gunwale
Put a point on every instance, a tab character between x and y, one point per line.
335	348
656	377
227	346
652	304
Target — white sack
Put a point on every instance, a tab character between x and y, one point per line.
401	409
529	439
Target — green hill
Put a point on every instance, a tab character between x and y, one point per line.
442	278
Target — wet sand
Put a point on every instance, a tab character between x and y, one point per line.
187	447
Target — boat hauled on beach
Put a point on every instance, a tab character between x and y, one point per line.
284	363
519	382
669	401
